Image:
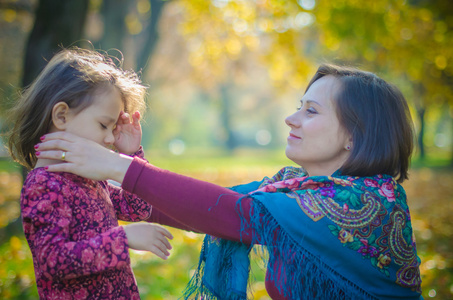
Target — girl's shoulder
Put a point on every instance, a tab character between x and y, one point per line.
40	178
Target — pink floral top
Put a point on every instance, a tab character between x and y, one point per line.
71	224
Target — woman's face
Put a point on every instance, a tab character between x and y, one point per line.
316	140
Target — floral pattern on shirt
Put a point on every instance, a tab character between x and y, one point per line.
71	225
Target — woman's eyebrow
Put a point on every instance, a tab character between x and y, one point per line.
309	101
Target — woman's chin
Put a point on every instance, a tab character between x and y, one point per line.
290	155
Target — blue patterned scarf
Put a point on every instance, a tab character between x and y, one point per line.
327	237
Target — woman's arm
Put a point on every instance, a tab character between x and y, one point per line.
200	205
205	207
160	218
128	207
83	157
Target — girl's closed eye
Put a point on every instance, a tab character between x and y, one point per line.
103	126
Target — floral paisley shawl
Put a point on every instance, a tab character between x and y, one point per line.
362	220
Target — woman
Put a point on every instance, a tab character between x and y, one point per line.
338	228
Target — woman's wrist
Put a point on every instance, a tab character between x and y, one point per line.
120	167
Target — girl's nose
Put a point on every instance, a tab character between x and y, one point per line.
109	139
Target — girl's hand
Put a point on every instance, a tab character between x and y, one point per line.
149	237
82	157
128	135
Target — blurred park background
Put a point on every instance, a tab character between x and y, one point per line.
222	75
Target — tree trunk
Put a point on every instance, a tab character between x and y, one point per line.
225	111
57	23
451	151
114	13
421	133
152	35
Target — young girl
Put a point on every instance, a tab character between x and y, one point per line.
71	223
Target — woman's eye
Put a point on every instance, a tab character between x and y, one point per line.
312	110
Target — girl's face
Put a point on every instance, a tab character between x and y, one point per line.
316	140
97	121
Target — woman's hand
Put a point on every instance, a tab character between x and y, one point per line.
128	135
82	157
149	237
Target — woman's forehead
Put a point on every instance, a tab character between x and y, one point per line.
323	91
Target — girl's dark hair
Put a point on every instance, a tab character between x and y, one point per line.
71	76
377	116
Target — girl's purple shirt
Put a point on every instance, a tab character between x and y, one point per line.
71	224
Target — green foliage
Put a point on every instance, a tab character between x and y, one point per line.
429	193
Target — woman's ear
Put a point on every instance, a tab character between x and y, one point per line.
349	144
60	113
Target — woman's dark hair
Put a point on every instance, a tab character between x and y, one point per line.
377	116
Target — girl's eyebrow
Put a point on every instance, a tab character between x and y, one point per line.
109	119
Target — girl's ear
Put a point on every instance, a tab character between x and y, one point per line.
60	113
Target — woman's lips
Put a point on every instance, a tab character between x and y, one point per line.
293	137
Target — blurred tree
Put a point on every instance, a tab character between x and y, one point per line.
411	41
131	21
113	13
150	34
57	23
44	40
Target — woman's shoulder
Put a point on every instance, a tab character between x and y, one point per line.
288	172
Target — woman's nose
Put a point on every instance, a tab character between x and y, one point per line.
291	120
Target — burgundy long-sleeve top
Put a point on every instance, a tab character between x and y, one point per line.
195	204
71	225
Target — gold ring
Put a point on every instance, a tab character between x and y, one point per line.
63	156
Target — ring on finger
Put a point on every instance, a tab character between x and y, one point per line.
63	156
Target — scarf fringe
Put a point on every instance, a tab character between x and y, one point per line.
201	287
296	272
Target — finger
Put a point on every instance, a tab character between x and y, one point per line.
161	246
52	154
118	128
136	122
136	115
63	167
167	244
165	232
53	145
164	242
162	254
59	135
125	117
